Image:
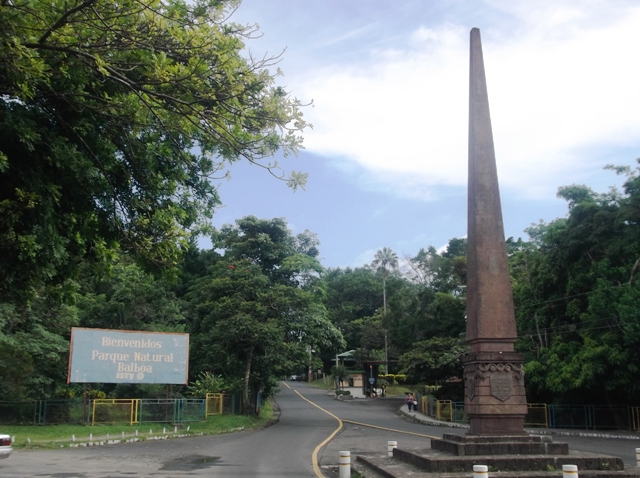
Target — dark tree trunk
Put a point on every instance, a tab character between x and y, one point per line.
246	404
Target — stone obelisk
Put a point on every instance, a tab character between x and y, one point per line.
494	379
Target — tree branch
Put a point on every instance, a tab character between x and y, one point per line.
63	19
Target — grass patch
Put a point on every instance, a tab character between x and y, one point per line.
329	385
56	436
397	390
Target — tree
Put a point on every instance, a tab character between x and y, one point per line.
576	298
259	307
446	272
114	119
437	360
386	261
128	298
340	374
34	344
352	298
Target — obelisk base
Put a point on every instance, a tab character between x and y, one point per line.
466	445
495	399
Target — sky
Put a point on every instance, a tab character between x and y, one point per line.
387	87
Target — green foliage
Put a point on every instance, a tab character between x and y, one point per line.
352	298
441	272
261	304
114	120
128	298
434	360
388	378
576	297
393	379
208	383
34	343
95	394
340	373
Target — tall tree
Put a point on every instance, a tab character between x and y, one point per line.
385	261
352	298
259	308
114	118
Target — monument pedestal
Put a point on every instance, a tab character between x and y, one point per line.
521	456
495	399
466	445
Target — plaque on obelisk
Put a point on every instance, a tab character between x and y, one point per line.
495	399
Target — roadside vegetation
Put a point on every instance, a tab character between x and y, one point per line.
57	436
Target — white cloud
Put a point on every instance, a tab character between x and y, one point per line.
562	80
364	258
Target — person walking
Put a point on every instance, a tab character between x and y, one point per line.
410	401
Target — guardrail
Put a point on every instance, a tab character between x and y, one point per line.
586	417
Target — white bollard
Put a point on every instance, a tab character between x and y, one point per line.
175	429
164	431
73	438
390	446
569	471
189	428
90	436
150	431
345	464
637	456
480	471
136	432
123	435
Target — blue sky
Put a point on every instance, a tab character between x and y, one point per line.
387	155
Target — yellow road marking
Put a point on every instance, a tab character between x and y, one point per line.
389	429
314	456
285	384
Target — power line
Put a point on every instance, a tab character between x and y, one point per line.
583	326
575	295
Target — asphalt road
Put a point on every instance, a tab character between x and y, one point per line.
282	450
382	413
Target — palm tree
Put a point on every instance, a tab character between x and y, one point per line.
385	261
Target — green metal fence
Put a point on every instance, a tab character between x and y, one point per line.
591	417
18	413
172	411
585	417
60	412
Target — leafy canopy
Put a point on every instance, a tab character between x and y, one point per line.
114	119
